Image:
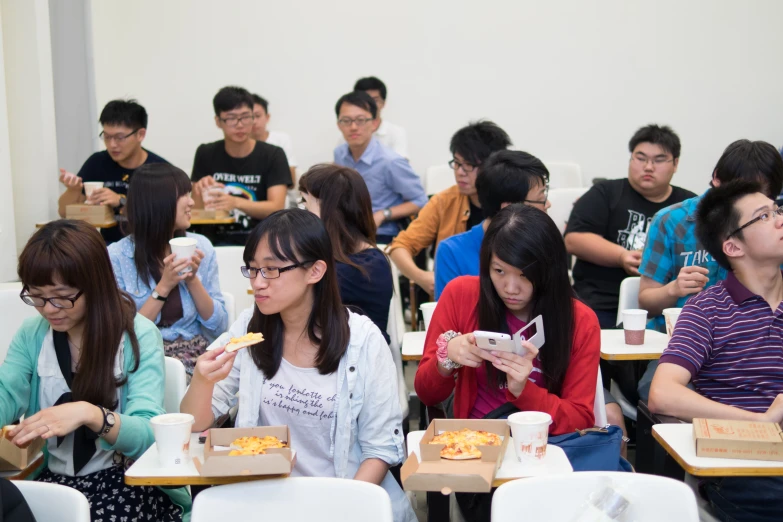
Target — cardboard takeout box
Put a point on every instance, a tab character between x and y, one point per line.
465	476
731	439
93	214
13	457
217	463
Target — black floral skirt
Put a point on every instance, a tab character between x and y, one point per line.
186	351
111	500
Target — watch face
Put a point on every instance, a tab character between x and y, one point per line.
110	418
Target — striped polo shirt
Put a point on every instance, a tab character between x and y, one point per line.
731	342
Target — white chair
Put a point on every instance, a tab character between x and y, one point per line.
14	312
564	174
395	327
599	406
562	200
175	386
54	502
231	307
629	296
438	178
298	499
560	498
229	260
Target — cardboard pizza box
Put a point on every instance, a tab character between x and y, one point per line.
202	213
732	439
93	214
433	473
217	462
13	457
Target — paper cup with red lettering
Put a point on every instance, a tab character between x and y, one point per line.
530	432
427	309
172	437
671	315
183	248
634	324
91	186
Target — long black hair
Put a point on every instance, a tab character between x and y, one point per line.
298	236
153	193
528	239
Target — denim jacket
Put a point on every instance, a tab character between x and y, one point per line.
367	422
140	289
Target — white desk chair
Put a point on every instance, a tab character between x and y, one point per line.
395	327
176	384
629	296
438	178
54	502
562	201
564	174
229	260
652	498
231	307
599	406
14	312
299	499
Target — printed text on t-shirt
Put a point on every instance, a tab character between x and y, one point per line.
297	401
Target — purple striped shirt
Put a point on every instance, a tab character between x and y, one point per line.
732	343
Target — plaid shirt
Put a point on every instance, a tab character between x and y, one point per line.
672	245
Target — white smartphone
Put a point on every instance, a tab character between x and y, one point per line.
494	341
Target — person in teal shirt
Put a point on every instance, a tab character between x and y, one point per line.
87	375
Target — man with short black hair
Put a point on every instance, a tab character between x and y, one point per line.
261	117
391	135
254	175
395	189
124	125
728	341
451	211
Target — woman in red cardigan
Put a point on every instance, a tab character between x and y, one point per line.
524	273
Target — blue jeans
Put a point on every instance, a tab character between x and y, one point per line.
746	499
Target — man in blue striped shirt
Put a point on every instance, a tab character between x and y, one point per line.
728	340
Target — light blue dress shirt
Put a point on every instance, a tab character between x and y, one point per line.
140	289
389	177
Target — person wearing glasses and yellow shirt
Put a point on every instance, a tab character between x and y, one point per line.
238	173
395	190
124	125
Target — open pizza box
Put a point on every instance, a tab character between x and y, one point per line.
202	213
12	457
732	439
93	214
217	462
434	473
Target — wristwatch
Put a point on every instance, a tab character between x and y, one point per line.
108	421
123	202
387	214
156	295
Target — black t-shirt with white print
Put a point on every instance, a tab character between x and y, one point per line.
615	211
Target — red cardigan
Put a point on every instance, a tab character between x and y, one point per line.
572	410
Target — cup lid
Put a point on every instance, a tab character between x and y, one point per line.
173	418
530	417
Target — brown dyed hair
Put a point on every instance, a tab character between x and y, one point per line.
73	253
346	208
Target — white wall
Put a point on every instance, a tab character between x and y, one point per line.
569	80
7	229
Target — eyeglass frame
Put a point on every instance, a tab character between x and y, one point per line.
461	165
250	117
119	139
777	210
347	122
655	161
546	197
261	270
45	300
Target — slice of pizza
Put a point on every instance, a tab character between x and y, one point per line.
460	451
246	451
249	339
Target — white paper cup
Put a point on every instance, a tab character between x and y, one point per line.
183	248
530	432
671	315
90	186
427	309
209	195
172	437
634	324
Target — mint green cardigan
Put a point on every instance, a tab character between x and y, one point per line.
141	395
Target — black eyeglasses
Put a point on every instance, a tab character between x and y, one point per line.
763	217
466	167
119	138
57	302
267	272
233	121
546	196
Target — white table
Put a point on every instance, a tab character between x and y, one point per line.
413	346
554	463
147	471
613	347
677	440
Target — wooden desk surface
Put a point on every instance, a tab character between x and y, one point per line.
109	224
213	221
613	347
413	346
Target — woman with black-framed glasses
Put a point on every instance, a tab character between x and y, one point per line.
87	375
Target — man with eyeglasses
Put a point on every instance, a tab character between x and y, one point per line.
124	125
453	210
728	342
607	228
395	190
238	173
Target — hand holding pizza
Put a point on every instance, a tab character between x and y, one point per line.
516	367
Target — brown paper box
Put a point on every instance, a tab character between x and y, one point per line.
13	457
730	439
466	476
202	213
277	461
93	214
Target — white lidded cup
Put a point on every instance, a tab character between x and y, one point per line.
530	432
91	186
427	309
634	324
183	248
172	437
671	315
